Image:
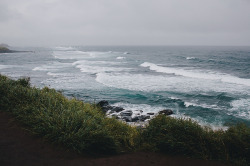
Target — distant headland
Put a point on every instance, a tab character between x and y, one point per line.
4	48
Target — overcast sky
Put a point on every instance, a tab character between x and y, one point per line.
124	22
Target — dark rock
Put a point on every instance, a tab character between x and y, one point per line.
103	103
104	106
111	112
166	112
150	113
4	49
127	118
135	119
107	108
117	109
140	118
144	117
126	113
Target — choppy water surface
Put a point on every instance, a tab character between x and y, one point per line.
208	84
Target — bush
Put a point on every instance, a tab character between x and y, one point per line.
237	142
175	136
186	137
25	81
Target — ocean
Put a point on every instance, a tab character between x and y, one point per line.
210	85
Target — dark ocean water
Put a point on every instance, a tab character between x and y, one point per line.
208	84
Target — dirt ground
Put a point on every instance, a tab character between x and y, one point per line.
18	147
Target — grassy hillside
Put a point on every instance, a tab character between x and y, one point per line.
84	128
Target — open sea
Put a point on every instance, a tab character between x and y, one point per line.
210	85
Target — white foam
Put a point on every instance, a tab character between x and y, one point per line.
207	75
190	58
72	54
59	74
71	81
94	67
138	107
120	57
216	125
203	105
6	66
127	81
241	108
187	104
40	69
78	55
55	66
86	62
51	74
60	48
142	82
174	98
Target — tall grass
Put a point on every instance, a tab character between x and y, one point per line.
186	137
84	128
72	123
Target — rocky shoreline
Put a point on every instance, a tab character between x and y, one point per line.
129	116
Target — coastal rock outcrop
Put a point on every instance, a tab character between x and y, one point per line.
103	103
127	118
166	112
140	118
128	115
106	107
117	109
4	50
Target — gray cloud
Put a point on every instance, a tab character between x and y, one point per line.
125	22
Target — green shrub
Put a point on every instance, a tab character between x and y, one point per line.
175	136
186	137
25	81
237	142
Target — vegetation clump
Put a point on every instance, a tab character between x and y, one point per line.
83	127
69	122
186	137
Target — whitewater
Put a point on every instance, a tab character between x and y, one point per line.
208	84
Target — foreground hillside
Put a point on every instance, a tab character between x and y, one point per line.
19	147
84	128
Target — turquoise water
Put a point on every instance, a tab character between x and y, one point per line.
208	84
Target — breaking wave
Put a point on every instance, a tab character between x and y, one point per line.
207	75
